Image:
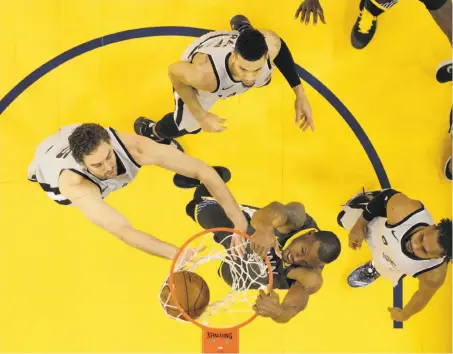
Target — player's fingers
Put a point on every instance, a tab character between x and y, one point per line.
302	17
307	18
298	11
315	17
321	15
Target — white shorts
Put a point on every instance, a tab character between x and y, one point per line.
184	118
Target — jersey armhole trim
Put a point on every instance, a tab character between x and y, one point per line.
407	217
124	148
215	73
227	68
430	268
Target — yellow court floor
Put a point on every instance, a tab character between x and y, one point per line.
67	286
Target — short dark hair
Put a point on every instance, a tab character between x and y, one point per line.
85	139
329	246
251	44
445	236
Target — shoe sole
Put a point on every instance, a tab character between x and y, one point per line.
446	169
444	63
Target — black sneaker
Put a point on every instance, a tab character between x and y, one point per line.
144	127
444	72
363	275
187	182
364	28
239	23
447	170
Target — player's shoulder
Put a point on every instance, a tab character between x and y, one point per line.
309	278
273	42
434	278
400	206
72	183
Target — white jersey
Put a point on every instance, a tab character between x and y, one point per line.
388	246
53	156
219	46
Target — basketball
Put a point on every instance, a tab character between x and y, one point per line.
192	294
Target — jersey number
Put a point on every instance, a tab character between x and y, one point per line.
64	153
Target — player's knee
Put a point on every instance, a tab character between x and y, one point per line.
433	5
166	128
191	209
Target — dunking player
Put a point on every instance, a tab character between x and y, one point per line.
297	249
404	240
82	164
220	65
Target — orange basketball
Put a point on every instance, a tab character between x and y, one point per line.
192	293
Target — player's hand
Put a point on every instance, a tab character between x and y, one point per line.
211	123
262	240
237	246
356	237
304	116
190	255
306	8
397	314
267	305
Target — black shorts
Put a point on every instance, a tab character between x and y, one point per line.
433	5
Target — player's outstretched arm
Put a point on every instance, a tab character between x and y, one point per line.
148	152
86	196
428	284
281	56
307	283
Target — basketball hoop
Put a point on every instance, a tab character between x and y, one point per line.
221	334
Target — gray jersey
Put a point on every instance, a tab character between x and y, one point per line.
388	244
219	46
53	156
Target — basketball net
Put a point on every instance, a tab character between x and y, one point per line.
230	307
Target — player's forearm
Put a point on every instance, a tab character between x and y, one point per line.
417	303
287	313
146	243
361	223
188	95
218	189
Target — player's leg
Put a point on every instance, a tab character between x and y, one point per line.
366	23
186	182
208	213
239	23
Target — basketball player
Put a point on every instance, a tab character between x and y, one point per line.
297	249
220	65
365	26
82	164
404	240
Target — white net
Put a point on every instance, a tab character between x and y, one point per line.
233	284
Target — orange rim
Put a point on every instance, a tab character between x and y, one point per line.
173	264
